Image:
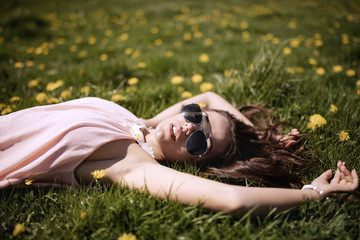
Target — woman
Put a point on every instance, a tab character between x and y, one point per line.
64	143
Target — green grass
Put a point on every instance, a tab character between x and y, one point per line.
47	40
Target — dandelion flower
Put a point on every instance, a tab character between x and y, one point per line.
154	30
312	61
82	54
251	67
204	58
315	121
358	83
30	63
19	65
29	181
98	174
41	67
208	42
333	108
130	89
187	36
103	57
186	94
18	229
177	80
54	85
92	40
202	105
286	51
320	71
344	136
128	51
197	78
206	86
15	99
337	68
41	97
169	54
53	100
127	236
229	73
133	81
158	42
123	37
350	73
65	94
141	65
244	24
6	110
85	90
117	97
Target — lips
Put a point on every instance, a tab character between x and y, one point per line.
174	130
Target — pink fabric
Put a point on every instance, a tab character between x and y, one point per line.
47	143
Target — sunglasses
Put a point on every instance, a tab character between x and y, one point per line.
196	143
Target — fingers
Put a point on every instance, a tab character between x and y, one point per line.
355	177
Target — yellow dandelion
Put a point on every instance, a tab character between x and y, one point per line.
154	30
82	214
186	94
169	54
54	85
98	174
175	80
123	37
299	69
187	36
315	121
197	78
337	68
290	70
18	229
206	86
117	97
41	97
358	91
320	71
136	54
85	90
82	54
350	73
312	61
15	99
198	34
133	81
275	40
244	24
81	71
91	40
245	35
204	58
177	44
294	42
286	51
358	83
208	41
19	65
108	32
65	94
229	73
202	105
103	57
41	67
127	236
2	105
6	110
141	65
333	108
158	42
318	43
29	181
292	24
251	67
128	51
344	136
30	63
53	100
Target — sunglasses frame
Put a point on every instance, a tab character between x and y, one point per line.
199	130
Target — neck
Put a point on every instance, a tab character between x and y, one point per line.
150	139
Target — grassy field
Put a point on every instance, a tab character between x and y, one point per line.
299	57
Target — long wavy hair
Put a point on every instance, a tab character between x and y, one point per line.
257	153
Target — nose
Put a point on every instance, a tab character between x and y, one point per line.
188	128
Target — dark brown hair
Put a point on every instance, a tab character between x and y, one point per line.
257	153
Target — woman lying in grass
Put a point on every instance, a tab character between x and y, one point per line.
63	144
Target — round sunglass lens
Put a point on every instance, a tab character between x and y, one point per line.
192	113
196	143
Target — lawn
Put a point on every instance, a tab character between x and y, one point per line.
300	58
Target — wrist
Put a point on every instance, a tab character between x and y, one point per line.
312	192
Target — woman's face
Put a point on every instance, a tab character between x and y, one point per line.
171	136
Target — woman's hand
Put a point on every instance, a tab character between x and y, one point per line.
343	181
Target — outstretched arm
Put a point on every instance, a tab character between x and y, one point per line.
163	182
210	99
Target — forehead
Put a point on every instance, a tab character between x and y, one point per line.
219	132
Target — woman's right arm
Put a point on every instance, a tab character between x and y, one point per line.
211	101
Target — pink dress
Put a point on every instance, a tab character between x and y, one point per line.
47	143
